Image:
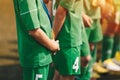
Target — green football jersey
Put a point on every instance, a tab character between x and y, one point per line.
70	34
93	12
31	15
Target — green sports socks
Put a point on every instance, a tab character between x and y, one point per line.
107	46
116	46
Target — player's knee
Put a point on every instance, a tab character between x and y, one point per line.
85	60
92	46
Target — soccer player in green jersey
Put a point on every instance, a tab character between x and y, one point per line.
85	51
94	32
108	14
112	37
67	29
34	39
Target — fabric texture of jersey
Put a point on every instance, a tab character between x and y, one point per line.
85	49
38	73
71	28
93	12
31	15
94	33
67	61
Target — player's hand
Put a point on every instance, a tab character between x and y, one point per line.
85	60
87	20
55	46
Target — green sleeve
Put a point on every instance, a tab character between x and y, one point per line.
29	14
68	4
86	5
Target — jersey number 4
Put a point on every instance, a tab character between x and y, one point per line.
75	65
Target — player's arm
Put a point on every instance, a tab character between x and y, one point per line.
59	19
29	17
87	20
49	6
43	39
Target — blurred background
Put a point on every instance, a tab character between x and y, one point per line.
9	59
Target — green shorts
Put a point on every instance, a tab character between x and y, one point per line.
39	73
85	49
67	61
94	33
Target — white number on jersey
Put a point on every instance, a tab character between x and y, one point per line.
38	76
75	65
